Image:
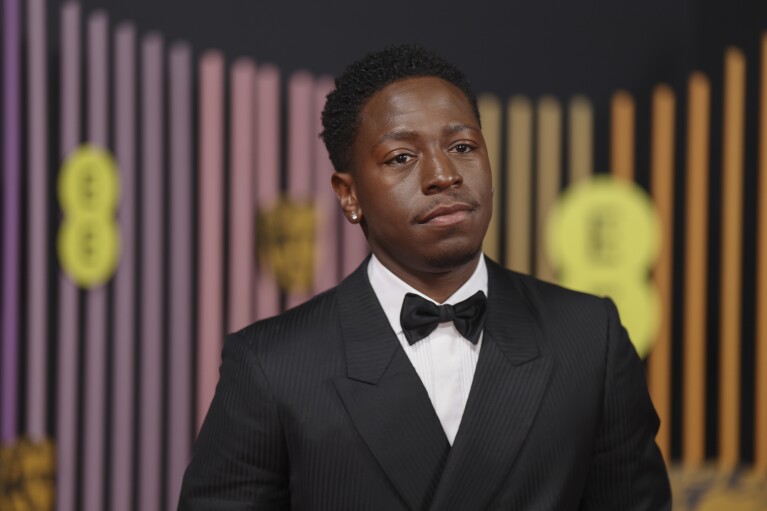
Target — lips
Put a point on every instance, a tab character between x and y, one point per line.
446	213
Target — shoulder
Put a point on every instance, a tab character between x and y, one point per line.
569	324
305	327
551	303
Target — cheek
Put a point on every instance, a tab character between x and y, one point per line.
481	181
388	198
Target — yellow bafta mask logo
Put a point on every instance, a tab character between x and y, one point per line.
286	243
27	475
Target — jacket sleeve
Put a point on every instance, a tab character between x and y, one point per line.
627	471
239	459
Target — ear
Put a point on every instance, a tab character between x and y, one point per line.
343	185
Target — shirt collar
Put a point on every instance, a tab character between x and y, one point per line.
390	289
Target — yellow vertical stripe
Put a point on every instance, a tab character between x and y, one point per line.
519	184
549	149
581	135
695	270
622	135
490	112
732	250
760	442
662	169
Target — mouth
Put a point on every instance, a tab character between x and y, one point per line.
446	214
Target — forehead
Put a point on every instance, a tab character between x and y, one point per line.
416	101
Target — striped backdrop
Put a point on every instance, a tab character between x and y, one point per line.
221	175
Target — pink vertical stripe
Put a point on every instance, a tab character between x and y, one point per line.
181	271
241	225
95	329
328	211
267	174
124	334
37	199
150	448
354	246
11	232
300	144
66	406
209	313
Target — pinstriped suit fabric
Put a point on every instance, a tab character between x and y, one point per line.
320	409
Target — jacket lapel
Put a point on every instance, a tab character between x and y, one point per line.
385	398
509	383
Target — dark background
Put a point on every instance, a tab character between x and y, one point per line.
533	48
558	47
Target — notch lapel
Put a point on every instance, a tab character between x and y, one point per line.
508	386
385	398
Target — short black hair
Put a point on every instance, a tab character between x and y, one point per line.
370	74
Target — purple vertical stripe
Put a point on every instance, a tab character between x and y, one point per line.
37	199
96	307
300	139
328	210
150	448
211	209
241	215
181	307
11	216
300	144
66	422
124	334
267	174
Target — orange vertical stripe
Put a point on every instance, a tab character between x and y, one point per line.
760	442
581	135
519	184
695	270
732	251
662	168
490	112
622	135
549	164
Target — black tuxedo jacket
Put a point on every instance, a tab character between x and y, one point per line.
320	409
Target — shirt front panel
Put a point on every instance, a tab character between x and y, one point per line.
444	360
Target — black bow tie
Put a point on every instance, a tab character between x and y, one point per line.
419	316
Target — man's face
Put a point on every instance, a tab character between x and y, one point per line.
421	180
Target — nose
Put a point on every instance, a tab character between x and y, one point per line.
439	174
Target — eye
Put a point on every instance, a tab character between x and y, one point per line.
400	159
462	148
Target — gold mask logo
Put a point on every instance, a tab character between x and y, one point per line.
286	243
27	476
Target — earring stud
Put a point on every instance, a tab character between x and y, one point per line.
354	216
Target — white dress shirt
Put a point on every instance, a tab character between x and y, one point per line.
444	360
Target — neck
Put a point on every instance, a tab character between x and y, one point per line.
439	285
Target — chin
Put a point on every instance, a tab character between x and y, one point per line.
452	257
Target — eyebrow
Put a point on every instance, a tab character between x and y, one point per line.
452	129
406	134
400	134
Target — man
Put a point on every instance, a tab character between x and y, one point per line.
372	397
